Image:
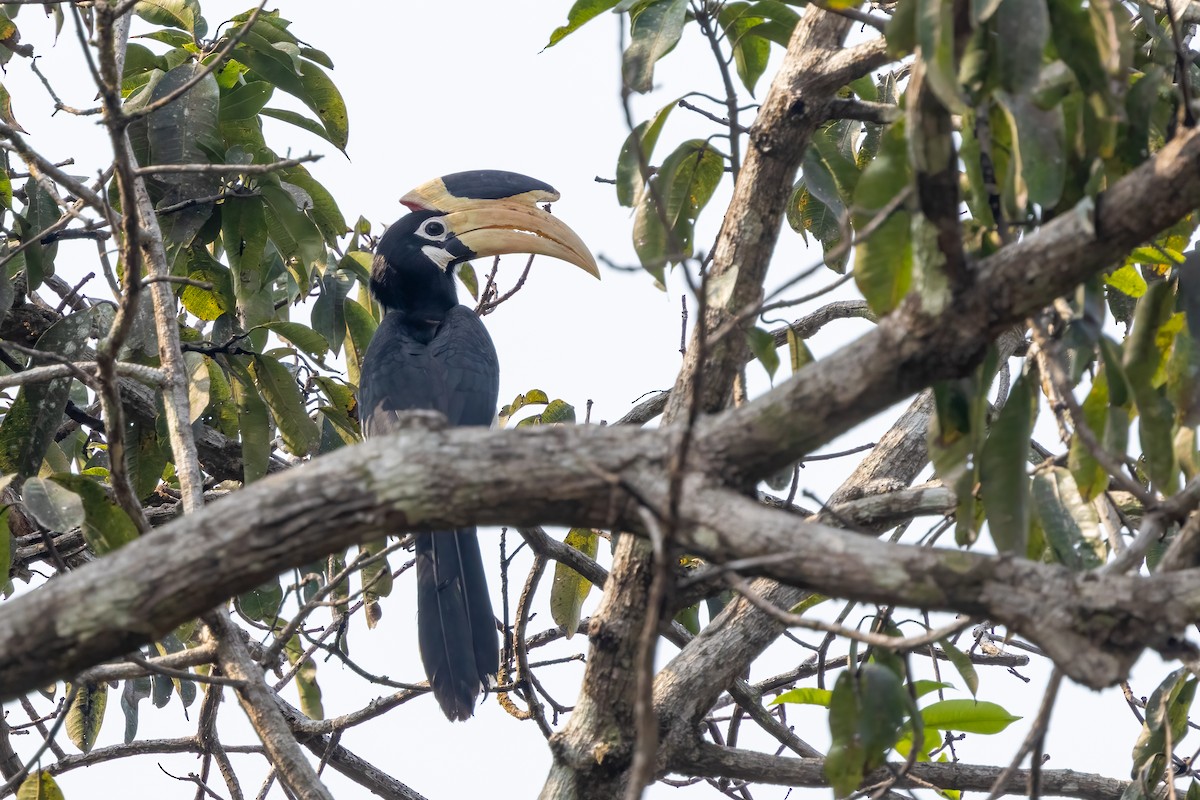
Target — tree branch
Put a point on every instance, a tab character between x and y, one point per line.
710	760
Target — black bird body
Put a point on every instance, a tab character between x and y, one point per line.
447	365
430	353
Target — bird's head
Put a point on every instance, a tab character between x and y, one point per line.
463	216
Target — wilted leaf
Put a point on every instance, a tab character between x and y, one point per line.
570	589
86	715
39	785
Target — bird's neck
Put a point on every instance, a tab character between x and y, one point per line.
422	292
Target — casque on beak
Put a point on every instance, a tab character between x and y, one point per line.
491	222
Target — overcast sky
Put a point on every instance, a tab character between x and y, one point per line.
439	87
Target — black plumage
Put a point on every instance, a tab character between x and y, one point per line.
431	353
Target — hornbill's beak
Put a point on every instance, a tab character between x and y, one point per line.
494	213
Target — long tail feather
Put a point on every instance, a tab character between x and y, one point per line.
455	624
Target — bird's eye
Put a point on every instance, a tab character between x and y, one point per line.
433	229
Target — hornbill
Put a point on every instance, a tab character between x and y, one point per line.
429	352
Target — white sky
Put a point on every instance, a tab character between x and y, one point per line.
440	87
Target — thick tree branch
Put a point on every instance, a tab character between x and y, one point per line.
709	760
439	480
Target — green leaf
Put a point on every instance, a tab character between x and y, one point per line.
136	690
1039	155
1022	28
466	274
845	762
558	412
1071	524
762	344
323	97
1127	280
244	234
328	312
750	51
245	101
1145	354
629	173
1167	708
1004	481
262	603
306	679
6	112
654	32
39	213
324	210
798	353
866	716
376	579
691	174
360	326
106	526
967	716
275	62
39	785
297	119
6	542
808	214
806	696
198	384
884	260
685	183
183	14
301	336
183	132
280	64
570	589
1090	478
86	715
144	458
279	389
935	38
53	506
920	688
582	11
294	234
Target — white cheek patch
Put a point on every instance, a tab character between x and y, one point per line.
438	255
